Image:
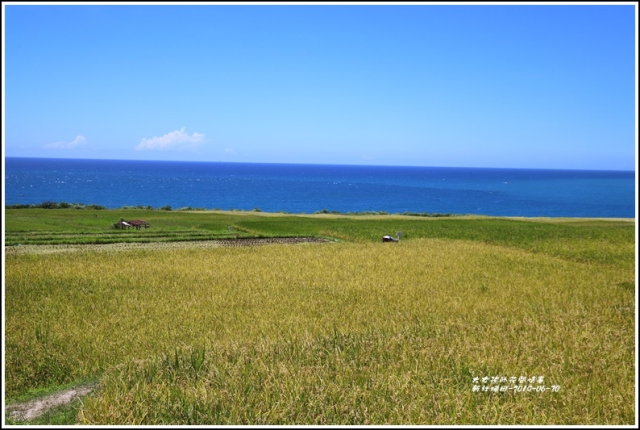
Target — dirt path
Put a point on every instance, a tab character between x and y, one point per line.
35	408
49	249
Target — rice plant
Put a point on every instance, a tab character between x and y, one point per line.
336	333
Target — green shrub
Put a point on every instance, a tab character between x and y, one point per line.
49	205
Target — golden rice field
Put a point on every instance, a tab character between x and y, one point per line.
331	333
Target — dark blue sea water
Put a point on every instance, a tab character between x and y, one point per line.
299	188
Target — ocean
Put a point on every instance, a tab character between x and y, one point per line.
307	188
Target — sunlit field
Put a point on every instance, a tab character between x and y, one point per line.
353	331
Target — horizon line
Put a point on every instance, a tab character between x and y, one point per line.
331	164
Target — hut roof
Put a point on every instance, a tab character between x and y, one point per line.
138	222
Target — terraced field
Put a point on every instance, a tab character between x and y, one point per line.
158	245
115	236
186	324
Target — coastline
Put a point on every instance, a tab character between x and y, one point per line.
317	188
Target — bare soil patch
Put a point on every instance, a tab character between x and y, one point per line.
35	408
49	249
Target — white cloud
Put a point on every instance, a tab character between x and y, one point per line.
229	151
177	139
79	140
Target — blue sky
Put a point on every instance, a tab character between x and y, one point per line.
522	86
